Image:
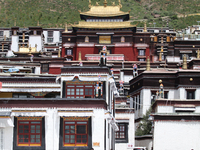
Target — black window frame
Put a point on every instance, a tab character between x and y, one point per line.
190	92
61	137
122	140
44	68
16	147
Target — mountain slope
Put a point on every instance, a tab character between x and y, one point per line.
55	13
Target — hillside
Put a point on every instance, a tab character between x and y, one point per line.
55	13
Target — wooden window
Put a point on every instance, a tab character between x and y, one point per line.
190	94
45	67
121	136
50	33
1	33
80	91
75	133
29	132
49	39
68	51
141	52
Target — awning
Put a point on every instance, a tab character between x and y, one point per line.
29	113
6	122
78	114
185	51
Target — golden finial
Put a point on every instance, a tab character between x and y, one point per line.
97	3
113	3
79	11
198	53
59	53
2	47
145	27
160	56
23	37
90	4
79	56
183	36
4	37
38	23
148	64
105	3
184	62
120	5
66	30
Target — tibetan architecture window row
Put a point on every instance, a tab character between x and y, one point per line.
80	89
30	132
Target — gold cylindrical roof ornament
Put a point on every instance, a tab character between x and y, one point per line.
2	47
148	68
90	4
160	56
145	27
184	62
198	53
105	3
66	29
120	5
59	53
79	56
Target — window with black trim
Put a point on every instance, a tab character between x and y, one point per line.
121	136
190	94
50	33
80	91
22	95
29	131
141	52
45	67
68	52
75	133
1	33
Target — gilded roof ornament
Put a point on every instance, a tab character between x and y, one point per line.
113	3
105	3
97	3
120	5
90	4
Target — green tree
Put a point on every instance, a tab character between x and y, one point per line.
145	125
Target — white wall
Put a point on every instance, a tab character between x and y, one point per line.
14	45
131	130
35	39
176	135
6	33
98	128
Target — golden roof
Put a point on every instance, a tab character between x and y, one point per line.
102	11
27	50
104	25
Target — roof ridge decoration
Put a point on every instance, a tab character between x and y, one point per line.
105	3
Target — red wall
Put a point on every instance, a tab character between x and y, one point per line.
129	53
84	51
54	70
